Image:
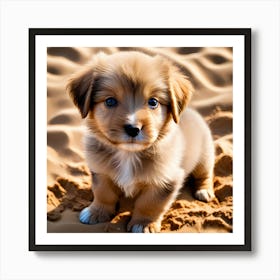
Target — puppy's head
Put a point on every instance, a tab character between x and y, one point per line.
130	98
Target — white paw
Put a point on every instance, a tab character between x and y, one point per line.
137	228
85	216
149	227
94	215
204	195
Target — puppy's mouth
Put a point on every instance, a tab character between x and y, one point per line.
130	139
132	147
132	144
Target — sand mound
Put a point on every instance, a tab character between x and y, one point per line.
69	182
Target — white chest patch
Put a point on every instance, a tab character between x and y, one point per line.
127	164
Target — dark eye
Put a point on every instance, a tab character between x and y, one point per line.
153	103
111	102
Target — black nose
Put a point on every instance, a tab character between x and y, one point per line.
131	130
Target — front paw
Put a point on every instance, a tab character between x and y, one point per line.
94	215
205	195
152	227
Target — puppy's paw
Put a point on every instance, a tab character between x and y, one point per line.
85	216
137	228
205	195
92	216
144	228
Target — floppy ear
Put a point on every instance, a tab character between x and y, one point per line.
180	90
80	90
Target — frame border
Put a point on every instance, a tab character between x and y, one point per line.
246	32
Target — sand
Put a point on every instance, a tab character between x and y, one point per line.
69	182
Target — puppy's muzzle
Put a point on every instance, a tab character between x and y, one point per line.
131	130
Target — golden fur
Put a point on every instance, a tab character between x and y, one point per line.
163	144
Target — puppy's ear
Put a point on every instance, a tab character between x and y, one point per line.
80	90
180	90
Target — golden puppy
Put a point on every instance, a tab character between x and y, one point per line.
141	140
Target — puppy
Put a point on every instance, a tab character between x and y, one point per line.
142	140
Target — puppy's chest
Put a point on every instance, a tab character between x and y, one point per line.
128	171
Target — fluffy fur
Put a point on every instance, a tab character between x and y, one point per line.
151	160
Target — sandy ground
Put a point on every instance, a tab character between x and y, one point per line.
69	182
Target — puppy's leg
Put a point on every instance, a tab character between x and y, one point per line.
150	207
106	195
203	175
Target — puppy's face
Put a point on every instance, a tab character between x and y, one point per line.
130	98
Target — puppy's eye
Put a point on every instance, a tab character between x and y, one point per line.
111	102
153	103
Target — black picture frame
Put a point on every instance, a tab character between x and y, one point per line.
245	33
